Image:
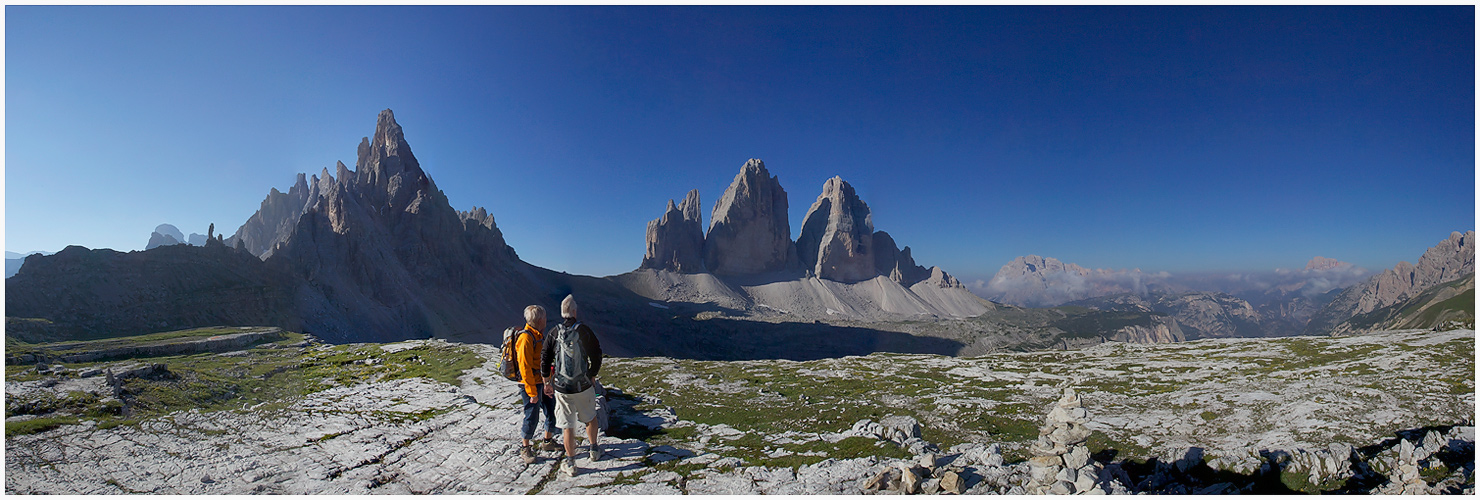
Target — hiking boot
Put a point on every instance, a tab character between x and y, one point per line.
595	453
527	453
568	467
551	445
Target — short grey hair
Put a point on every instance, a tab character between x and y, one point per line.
568	307
533	313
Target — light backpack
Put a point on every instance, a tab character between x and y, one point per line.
509	361
571	366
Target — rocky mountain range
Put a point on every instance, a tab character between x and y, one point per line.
1278	303
1198	314
676	240
1449	262
838	267
377	253
837	241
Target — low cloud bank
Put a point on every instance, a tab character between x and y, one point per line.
1034	281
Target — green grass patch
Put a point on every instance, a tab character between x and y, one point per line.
263	376
35	425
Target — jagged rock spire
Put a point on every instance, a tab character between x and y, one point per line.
675	242
748	230
837	235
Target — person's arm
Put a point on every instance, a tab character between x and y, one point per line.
525	351
593	350
547	353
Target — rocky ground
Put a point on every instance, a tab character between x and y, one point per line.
1389	412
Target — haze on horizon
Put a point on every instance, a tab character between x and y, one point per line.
1182	139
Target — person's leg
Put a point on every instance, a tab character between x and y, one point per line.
591	436
548	406
570	442
531	417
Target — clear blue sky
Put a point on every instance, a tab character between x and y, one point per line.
1165	138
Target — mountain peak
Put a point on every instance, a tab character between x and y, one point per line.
748	229
836	235
1319	263
387	132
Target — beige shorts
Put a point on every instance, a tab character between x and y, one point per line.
572	409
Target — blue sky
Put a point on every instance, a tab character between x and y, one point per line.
1184	139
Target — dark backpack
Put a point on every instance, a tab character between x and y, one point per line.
509	361
571	365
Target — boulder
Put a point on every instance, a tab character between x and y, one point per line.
837	235
951	482
749	232
910	479
900	428
675	241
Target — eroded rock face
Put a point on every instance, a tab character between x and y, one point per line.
1450	260
748	229
837	235
897	264
675	242
388	258
275	220
1162	331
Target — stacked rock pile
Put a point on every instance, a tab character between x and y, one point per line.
923	476
1405	475
1061	463
1405	478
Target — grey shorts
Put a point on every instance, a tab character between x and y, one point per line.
573	409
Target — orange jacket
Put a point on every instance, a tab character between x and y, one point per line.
527	348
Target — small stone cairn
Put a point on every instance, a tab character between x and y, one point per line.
1061	463
924	476
1405	477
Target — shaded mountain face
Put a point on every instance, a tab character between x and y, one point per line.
386	257
1451	260
278	216
897	264
80	293
14	261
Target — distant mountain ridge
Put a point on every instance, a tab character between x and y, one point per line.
14	260
1208	305
1450	261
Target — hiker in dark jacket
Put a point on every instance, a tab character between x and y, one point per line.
570	362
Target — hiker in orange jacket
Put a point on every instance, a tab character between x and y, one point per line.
528	348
